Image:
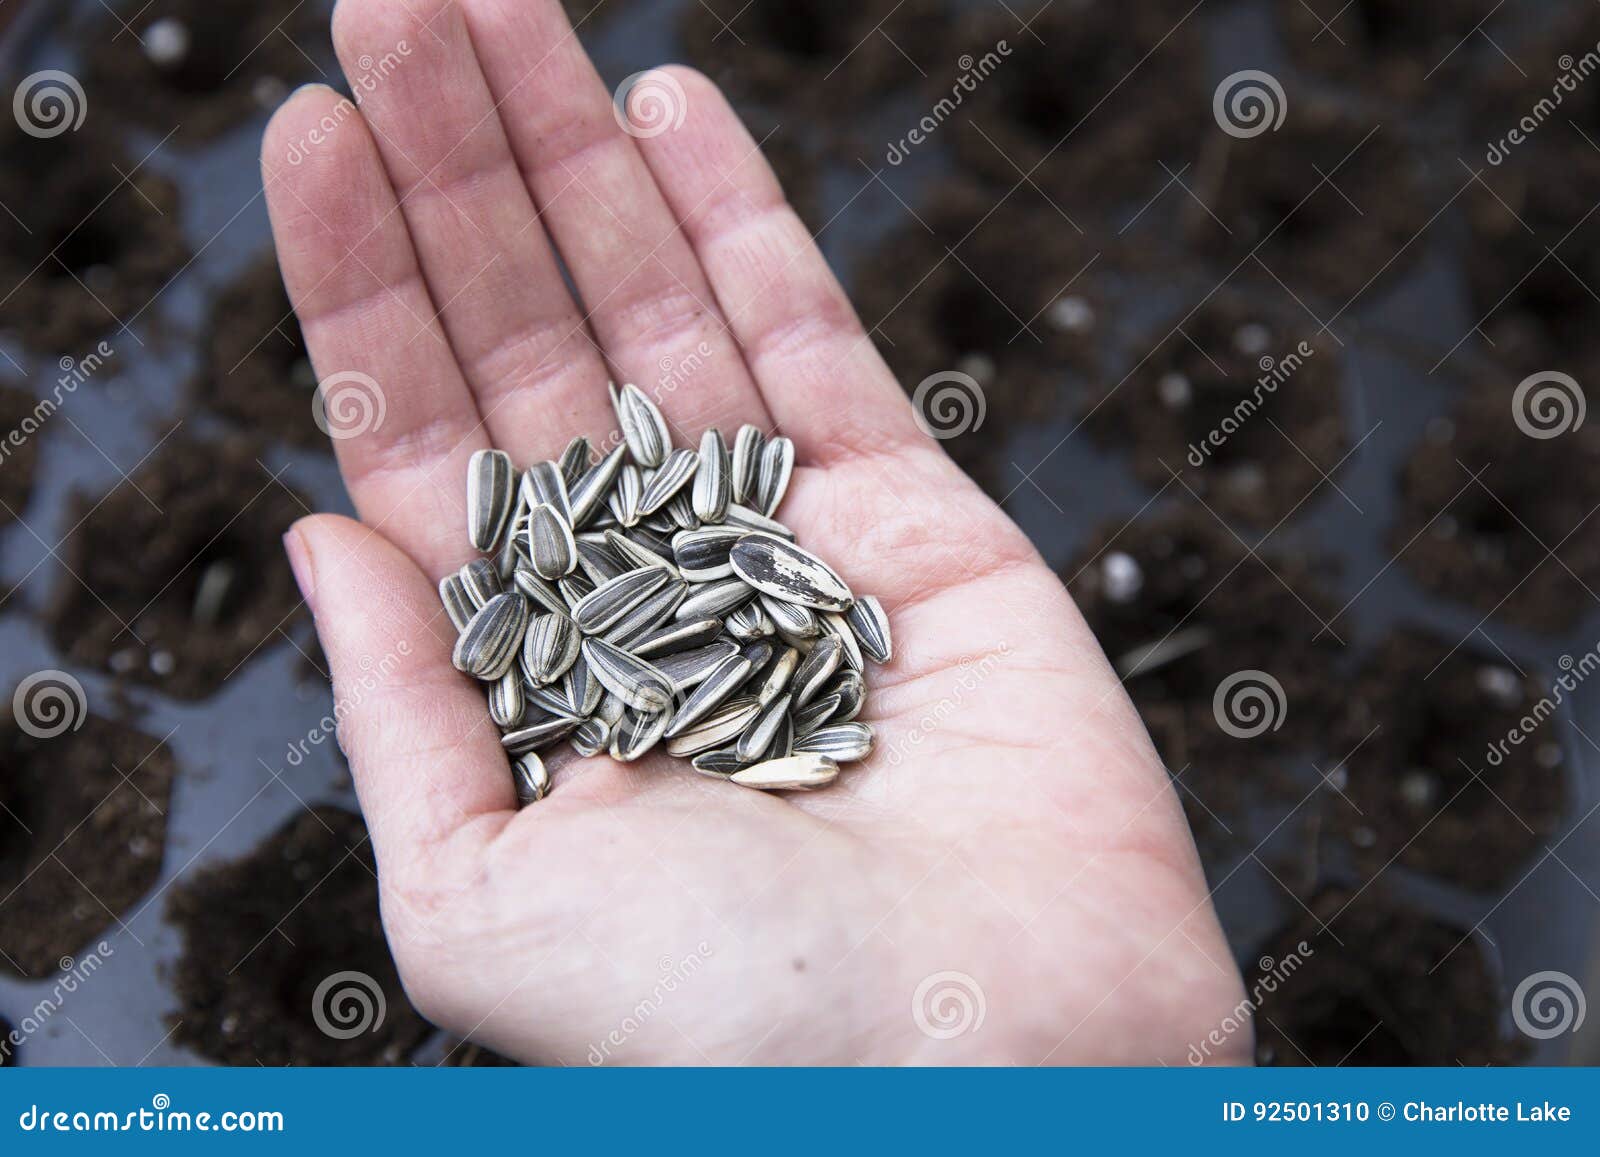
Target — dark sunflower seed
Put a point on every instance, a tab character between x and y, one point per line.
779	568
599	561
745	463
574	589
610	709
489	497
539	591
637	683
792	773
457	603
510	554
550	648
575	461
783	741
591	737
543	484
756	739
506	701
816	669
775	677
777	465
814	714
623	497
840	742
716	687
580	690
535	735
718	764
836	626
551	703
488	644
702	555
687	668
759	653
588	494
718	729
647	615
636	554
674	637
715	599
481	581
793	620
532	779
551	547
605	605
643	427
638	732
666	482
680	512
851	689
713	483
871	628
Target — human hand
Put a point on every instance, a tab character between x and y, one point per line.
1014	825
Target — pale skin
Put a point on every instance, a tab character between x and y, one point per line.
1014	825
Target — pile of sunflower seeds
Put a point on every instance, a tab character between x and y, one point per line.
648	596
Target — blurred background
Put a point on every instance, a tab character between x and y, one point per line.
1269	320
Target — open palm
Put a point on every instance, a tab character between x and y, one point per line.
1007	879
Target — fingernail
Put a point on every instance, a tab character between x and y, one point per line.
294	545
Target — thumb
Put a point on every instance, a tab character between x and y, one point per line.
425	756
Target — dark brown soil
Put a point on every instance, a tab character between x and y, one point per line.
1430	781
19	452
1195	582
794	162
1091	100
1399	47
83	825
994	295
256	369
1241	401
178	577
806	54
91	238
241	60
1488	543
1324	239
261	936
1402	989
7	1051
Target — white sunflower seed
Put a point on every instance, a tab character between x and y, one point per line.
588	494
749	623
715	599
551	546
779	568
718	764
623	497
575	460
792	773
506	701
591	737
643	427
776	675
680	512
722	727
840	742
666	482
674	637
530	736
489	497
481	581
743	516
638	732
603	607
816	669
550	648
793	620
687	668
457	604
717	686
836	626
777	465
745	464
756	739
532	779
713	483
637	683
870	626
487	646
544	484
610	709
814	714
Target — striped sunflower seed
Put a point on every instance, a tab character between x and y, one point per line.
549	702
749	623
744	517
713	483
836	626
510	554
666	482
457	604
745	463
544	484
851	689
816	669
580	690
550	648
756	739
722	727
643	427
575	460
715	599
588	494
783	740
814	714
599	561
601	609
793	620
637	554
647	615
779	568
551	546
574	589
539	591
531	736
680	512
610	709
792	773
481	581
638	732
506	701
531	778
718	764
686	669
775	676
840	742
623	497
637	683
674	637
777	464
591	737
870	625
487	646
489	497
715	688
702	555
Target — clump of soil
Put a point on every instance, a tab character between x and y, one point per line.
178	577
17	457
263	934
1431	780
200	67
83	826
812	53
92	236
1241	401
1270	204
1488	542
1393	45
256	368
1060	107
1182	583
1402	989
1000	297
